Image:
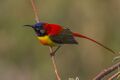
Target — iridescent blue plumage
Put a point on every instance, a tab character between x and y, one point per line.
38	25
39	29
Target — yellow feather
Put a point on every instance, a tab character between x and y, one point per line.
45	40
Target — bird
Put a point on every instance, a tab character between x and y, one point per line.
56	35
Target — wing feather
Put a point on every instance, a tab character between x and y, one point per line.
64	37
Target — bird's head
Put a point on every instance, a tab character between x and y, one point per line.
39	28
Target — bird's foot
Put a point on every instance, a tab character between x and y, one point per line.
52	54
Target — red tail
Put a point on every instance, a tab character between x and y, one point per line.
82	36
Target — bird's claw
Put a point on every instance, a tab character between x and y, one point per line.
52	54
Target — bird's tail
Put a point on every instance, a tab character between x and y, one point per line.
82	36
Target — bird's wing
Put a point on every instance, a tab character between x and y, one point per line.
64	37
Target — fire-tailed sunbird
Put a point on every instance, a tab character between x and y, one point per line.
55	35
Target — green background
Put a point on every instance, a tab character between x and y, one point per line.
23	58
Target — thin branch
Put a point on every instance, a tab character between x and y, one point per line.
35	11
107	71
54	64
50	48
114	76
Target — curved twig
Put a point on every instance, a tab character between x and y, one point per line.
114	76
107	71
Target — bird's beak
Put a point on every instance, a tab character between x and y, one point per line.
29	25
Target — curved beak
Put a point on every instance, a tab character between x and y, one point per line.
29	25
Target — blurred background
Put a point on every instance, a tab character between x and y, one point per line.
23	58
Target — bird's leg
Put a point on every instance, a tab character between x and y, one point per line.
53	53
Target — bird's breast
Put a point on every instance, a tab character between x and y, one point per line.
45	40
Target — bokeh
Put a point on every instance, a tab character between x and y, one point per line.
22	57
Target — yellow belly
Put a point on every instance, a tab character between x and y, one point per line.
45	40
